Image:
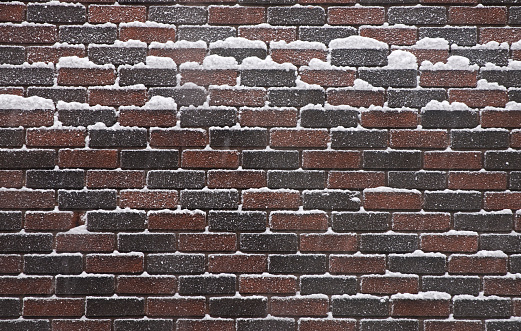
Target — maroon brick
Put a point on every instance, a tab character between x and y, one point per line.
85	242
268	34
311	242
355	179
114	263
154	285
49	221
268	284
176	220
477	15
116	14
59	307
176	307
357	264
355	15
464	243
11	178
421	221
147	34
56	137
389	284
148	199
243	263
33	285
301	306
236	15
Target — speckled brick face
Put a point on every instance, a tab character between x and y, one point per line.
237	165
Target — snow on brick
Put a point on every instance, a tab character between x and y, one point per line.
159	102
430	295
385	189
298	45
125	44
8	101
454	62
317	64
147	24
484	85
238	42
179	44
401	60
268	63
445	105
431	43
357	42
80	62
489	45
212	62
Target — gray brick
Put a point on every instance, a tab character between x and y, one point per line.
503	160
508	243
483	222
144	159
88	34
53	264
357	306
183	96
417	264
272	324
144	325
359	57
414	98
483	139
300	179
180	179
178	14
26	242
10	137
116	221
500	2
389	243
56	13
295	97
71	179
482	307
87	116
482	56
211	199
117	55
61	93
389	77
13	75
175	263
12	54
389	325
328	285
331	200
208	34
208	284
422	180
238	307
453	285
239	53
432	15
515	263
297	264
507	77
270	159
325	34
234	221
307	15
462	36
25	159
359	138
501	325
10	220
10	307
392	159
268	2
268	77
514	182
268	242
147	76
121	306
311	117
387	2
99	199
85	285
147	242
357	221
452	200
449	119
238	137
514	15
208	116
25	325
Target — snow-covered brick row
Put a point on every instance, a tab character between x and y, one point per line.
158	71
267	73
492	52
180	51
297	52
358	51
74	71
325	34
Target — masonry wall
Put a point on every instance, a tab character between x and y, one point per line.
260	165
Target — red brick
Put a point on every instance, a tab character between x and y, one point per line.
448	78
28	34
268	34
27	199
479	98
328	77
464	243
147	117
477	180
53	54
210	159
147	34
421	221
49	221
207	242
299	137
176	307
37	285
81	325
477	15
337	324
219	324
402	199
178	138
13	91
242	263
157	199
205	77
496	118
178	220
37	117
515	139
155	285
114	263
86	76
180	55
10	264
115	179
268	117
502	286
268	284
116	14
389	284
501	35
54	307
452	160
355	179
117	96
357	264
236	179
420	307
312	242
236	96
252	199
56	137
236	15
11	178
477	265
320	2
85	242
355	15
419	139
389	118
502	200
390	35
300	221
299	306
298	57
517	221
432	55
85	158
12	12
453	325
355	98
331	159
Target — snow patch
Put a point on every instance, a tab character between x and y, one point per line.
80	62
385	189
260	64
179	44
401	60
212	62
431	43
357	42
490	45
484	85
147	24
454	62
125	44
429	295
445	105
299	44
8	101
238	42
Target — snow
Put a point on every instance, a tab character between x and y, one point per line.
28	66
160	62
490	45
159	102
454	62
8	101
147	24
357	42
429	295
125	44
80	62
179	44
77	105
212	62
499	254
401	60
419	253
317	64
82	229
484	85
445	105
259	64
238	42
61	4
385	189
431	43
516	45
452	233
360	84
298	45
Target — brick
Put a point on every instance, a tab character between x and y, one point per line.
495	200
238	137
359	264
514	182
309	324
207	77
53	54
432	15
170	138
331	199
10	264
250	284
296	15
389	284
34	117
353	306
415	98
399	243
236	179
448	78
208	34
300	221
327	77
239	263
35	307
12	54
359	56
479	98
389	118
502	325
477	180
85	242
237	96
56	137
53	264
28	199
148	76
146	242
274	242
270	159
426	180
452	200
117	96
355	16
28	34
11	307
85	116
137	116
310	242
395	159
117	54
176	307
10	220
70	158
502	160
208	116
116	14
24	242
421	221
498	56
257	50
115	221
389	77
477	264
205	285
236	15
85	285
250	324
307	138
115	179
501	34
207	242
483	222
453	160
355	179
355	98
87	34
358	138
175	179
12	12
391	35
157	199
45	221
462	36
26	75
303	306
449	242
213	199
178	14
236	221
356	221
271	78
206	324
268	117
267	34
301	264
11	178
56	13
331	159
19	91
151	324
55	179
146	285
453	285
426	264
328	285
30	285
238	307
100	199
146	33
507	78
325	34
121	306
255	199
418	306
182	220
297	56
175	263
505	243
494	285
477	15
26	325
184	95
486	307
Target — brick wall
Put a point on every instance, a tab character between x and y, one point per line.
260	165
